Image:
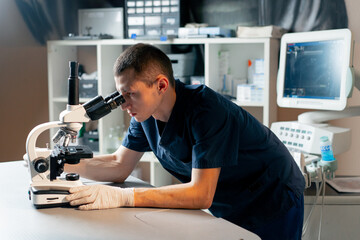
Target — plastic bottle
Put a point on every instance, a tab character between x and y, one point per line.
326	149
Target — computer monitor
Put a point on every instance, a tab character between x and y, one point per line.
314	70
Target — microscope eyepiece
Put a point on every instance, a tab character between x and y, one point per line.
111	96
98	107
119	99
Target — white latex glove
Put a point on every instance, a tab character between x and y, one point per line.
100	197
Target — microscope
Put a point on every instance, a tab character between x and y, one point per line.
47	187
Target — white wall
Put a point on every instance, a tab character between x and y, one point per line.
349	162
23	83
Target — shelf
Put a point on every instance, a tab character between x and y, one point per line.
65	100
249	104
157	42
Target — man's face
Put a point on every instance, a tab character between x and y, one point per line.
141	101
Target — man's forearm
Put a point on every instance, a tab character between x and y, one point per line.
103	168
197	194
173	196
114	167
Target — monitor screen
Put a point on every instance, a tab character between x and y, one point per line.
313	69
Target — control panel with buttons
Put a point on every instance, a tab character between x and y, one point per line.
305	138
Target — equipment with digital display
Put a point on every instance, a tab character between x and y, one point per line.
315	70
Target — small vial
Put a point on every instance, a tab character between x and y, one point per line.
326	149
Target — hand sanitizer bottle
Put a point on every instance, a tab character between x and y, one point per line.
328	162
326	149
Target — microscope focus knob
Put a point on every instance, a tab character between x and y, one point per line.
72	177
41	165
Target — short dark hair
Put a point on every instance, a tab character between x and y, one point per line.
147	61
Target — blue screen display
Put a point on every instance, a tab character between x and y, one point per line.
313	70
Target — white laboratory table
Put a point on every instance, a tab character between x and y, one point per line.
19	219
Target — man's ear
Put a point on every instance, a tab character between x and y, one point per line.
162	83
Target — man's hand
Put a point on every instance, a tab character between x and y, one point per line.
100	197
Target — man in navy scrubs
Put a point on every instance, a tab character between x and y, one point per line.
227	161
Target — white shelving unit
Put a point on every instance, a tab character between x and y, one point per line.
100	55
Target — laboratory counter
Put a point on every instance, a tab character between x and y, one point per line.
19	219
331	196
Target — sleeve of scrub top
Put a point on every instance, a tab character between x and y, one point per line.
135	138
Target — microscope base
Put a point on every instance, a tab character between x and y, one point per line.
52	193
48	198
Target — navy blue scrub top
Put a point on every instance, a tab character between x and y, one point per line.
205	130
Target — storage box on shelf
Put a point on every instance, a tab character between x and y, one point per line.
152	19
100	55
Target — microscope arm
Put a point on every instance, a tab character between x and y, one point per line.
33	153
34	134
